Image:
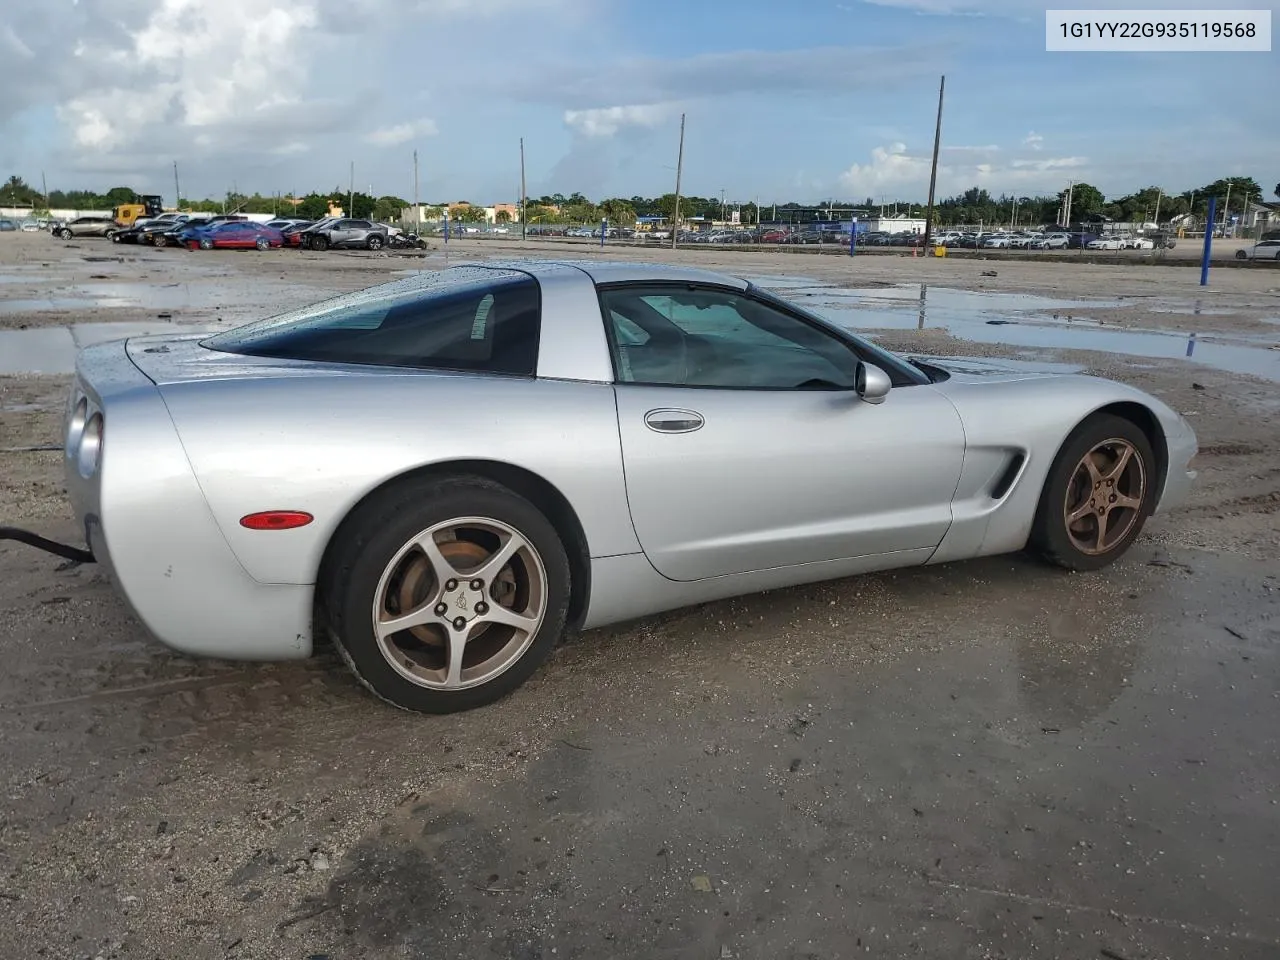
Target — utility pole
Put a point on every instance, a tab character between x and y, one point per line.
1159	197
351	192
417	207
675	222
1066	209
177	192
44	190
524	198
933	173
1226	209
1013	222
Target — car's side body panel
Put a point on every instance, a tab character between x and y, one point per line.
321	443
626	587
778	478
148	522
993	510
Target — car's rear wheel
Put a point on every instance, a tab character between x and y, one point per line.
319	242
1100	491
206	243
447	593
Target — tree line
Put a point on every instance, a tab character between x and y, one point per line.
972	206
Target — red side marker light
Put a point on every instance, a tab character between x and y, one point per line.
276	520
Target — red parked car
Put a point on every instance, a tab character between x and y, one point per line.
235	235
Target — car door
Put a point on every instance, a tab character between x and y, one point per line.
340	233
746	445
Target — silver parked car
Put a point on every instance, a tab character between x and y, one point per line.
455	468
345	232
85	227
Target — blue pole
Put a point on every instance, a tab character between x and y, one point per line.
1208	241
446	227
604	228
853	235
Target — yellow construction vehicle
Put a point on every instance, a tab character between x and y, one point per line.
127	214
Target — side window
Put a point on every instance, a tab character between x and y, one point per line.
475	320
679	335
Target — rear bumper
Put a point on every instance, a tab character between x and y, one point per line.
148	524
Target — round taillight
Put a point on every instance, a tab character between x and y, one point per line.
90	447
276	520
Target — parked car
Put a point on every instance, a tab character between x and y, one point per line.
8	226
346	233
1262	250
294	235
146	231
264	479
172	236
233	235
86	227
1105	243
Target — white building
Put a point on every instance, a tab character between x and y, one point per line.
899	224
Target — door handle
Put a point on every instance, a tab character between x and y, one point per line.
670	420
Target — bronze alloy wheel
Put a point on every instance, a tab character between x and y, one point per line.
1104	496
459	603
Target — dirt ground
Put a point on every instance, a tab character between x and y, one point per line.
980	760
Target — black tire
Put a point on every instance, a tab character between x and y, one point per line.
370	537
1242	255
206	243
64	233
1049	536
319	242
374	242
262	243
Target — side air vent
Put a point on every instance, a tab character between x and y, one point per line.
1004	480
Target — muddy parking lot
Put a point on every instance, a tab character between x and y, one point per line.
983	760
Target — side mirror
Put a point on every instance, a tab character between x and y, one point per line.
872	383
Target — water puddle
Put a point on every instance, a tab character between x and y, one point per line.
53	349
1027	321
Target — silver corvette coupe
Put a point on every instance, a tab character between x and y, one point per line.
445	473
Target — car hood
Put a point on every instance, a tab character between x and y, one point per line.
990	369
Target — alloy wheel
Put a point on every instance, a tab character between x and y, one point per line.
460	603
1105	496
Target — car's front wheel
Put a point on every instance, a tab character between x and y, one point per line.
206	243
262	243
64	233
319	242
374	242
1100	490
446	593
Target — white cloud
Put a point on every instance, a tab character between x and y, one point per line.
606	121
198	63
892	169
403	132
1033	140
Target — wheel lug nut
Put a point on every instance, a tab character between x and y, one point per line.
459	623
477	584
451	585
441	609
481	609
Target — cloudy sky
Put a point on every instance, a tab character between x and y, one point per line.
785	99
